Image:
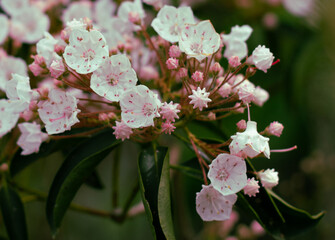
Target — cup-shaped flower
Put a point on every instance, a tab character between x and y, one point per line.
228	173
18	88
211	205
59	112
9	116
235	41
139	107
170	20
114	77
249	143
199	40
31	137
86	50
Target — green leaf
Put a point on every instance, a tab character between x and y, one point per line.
94	181
164	201
78	165
190	168
150	164
13	213
279	218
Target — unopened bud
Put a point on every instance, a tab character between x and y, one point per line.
172	63
174	51
198	76
182	73
216	68
234	61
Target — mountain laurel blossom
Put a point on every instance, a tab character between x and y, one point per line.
269	178
211	205
199	98
249	143
228	174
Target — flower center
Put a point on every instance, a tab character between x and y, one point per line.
196	48
148	109
89	54
222	175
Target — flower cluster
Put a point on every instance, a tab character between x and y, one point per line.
98	72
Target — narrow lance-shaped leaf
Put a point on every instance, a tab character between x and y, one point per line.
78	165
13	213
150	166
20	162
279	218
164	201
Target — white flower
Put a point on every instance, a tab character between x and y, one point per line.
225	90
31	137
139	107
103	11
299	7
9	65
249	143
14	7
200	40
228	173
212	205
18	88
4	28
251	188
235	41
169	21
169	111
127	9
46	48
262	58
57	68
122	131
9	116
245	91
77	10
260	96
199	98
269	178
59	112
86	51
29	26
114	77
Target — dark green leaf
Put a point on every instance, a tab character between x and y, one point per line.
164	201
94	181
279	218
78	165
150	166
13	213
190	168
20	162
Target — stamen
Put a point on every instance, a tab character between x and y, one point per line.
285	150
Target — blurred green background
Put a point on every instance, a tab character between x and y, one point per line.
301	88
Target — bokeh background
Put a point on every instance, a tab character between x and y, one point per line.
302	96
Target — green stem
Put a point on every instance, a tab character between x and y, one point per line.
115	177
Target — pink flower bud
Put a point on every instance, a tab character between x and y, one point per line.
134	17
103	117
57	68
4	167
275	129
198	76
128	47
174	51
241	125
120	46
168	127
182	73
64	35
38	59
113	51
33	105
172	63
211	116
148	73
59	49
27	115
36	69
234	61
216	68
257	228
